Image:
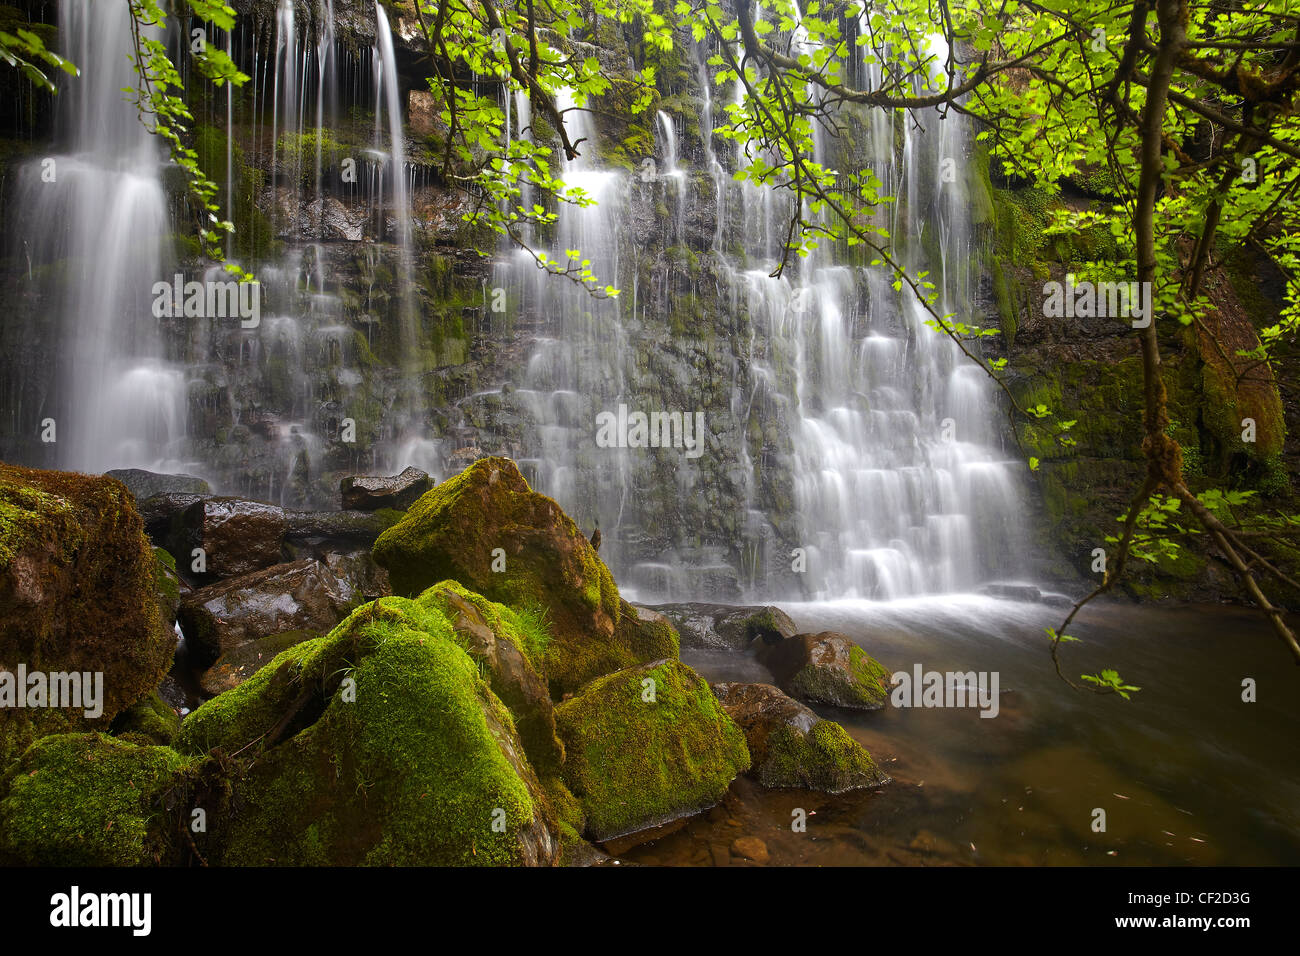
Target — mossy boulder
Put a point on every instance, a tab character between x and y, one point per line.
149	721
91	800
78	593
827	668
792	747
491	532
509	645
379	743
647	745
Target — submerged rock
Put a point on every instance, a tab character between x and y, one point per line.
377	744
237	535
372	492
726	627
90	800
647	745
300	595
791	746
827	668
78	594
488	530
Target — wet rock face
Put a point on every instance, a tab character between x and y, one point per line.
726	627
145	484
827	668
372	492
791	746
160	512
238	665
78	593
301	595
237	535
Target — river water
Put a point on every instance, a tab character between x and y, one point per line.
1186	772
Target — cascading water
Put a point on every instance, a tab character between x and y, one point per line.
838	423
577	366
898	484
95	227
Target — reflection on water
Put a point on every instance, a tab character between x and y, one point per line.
1186	772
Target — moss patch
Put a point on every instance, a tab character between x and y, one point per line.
88	800
635	763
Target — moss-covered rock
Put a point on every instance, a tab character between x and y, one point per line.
509	645
827	668
90	800
488	530
149	721
792	747
647	745
77	594
377	744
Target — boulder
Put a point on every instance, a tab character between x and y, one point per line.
300	595
725	627
145	484
647	745
378	744
356	527
488	530
237	535
161	515
791	746
239	664
91	800
359	572
507	643
827	668
649	634
372	492
78	594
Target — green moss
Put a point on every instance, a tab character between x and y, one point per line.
150	720
88	800
825	758
527	628
866	684
634	763
410	772
486	529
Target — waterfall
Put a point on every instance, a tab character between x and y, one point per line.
839	426
95	225
577	365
